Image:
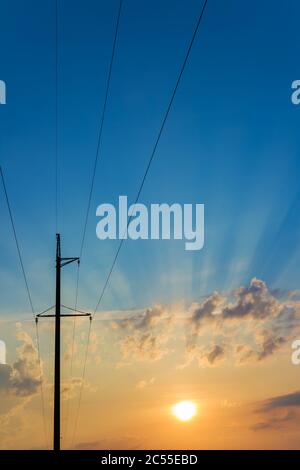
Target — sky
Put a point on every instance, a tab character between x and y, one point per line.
173	324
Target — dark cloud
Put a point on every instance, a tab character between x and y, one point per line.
267	343
204	355
128	443
22	378
215	354
270	344
251	312
207	309
141	321
277	411
5	372
253	301
275	422
287	319
282	401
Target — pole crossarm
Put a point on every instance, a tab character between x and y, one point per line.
69	315
75	310
79	313
65	261
41	314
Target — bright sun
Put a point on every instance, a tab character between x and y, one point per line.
184	410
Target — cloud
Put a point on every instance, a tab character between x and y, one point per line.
253	301
19	384
267	343
75	346
22	378
142	321
206	311
281	401
252	314
148	335
270	343
68	389
204	355
250	302
248	325
142	384
275	422
279	410
215	354
128	443
146	346
13	422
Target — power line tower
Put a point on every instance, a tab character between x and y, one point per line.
60	263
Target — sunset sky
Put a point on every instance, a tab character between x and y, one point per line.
213	327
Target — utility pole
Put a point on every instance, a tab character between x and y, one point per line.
60	263
56	433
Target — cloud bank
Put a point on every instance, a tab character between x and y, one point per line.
22	378
249	324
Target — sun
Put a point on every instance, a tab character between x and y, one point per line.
184	410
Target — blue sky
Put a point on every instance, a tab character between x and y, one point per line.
231	142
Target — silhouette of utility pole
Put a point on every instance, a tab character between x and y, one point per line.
60	263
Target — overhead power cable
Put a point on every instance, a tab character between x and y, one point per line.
28	295
56	122
17	242
154	148
144	179
94	171
103	114
82	384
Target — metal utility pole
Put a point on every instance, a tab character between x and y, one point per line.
56	434
60	263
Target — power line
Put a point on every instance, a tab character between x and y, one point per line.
56	118
101	126
72	349
82	384
17	242
142	185
96	160
77	310
41	380
154	149
28	294
103	114
45	311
